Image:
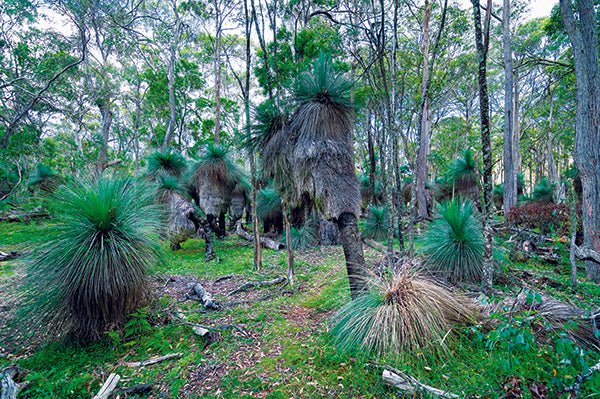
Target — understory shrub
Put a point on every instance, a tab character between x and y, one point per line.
376	226
453	242
405	312
546	216
92	273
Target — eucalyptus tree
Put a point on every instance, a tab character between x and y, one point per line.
582	26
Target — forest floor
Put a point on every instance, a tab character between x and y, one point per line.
279	346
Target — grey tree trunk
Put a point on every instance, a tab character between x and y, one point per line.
424	118
510	175
106	115
482	44
583	34
217	72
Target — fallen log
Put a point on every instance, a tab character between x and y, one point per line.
16	216
153	360
203	296
137	389
108	387
5	256
264	241
8	386
257	284
223	278
410	384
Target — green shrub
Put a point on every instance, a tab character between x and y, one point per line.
303	237
92	273
376	226
543	191
453	243
168	162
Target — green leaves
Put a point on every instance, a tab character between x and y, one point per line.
453	243
324	85
376	226
92	273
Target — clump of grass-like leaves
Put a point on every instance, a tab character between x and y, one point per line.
407	312
168	161
453	243
268	202
376	226
543	191
216	164
462	172
92	273
304	236
44	177
323	84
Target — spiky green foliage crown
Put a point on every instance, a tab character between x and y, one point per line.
91	274
268	202
463	170
324	85
167	162
543	191
217	165
376	226
40	173
453	243
365	183
269	119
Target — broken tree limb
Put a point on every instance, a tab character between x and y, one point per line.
585	253
108	387
257	284
4	256
204	296
410	384
8	386
153	360
580	379
377	246
264	241
223	278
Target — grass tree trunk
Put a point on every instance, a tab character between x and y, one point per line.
353	252
288	244
510	175
584	40
482	44
209	239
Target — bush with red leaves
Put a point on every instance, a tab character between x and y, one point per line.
548	217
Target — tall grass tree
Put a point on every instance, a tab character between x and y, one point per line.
92	272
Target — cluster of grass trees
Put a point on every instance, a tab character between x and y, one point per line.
354	141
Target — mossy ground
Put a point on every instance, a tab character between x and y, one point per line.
284	350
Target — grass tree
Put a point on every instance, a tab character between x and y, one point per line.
376	226
310	157
181	218
44	177
213	178
269	210
462	175
167	161
453	243
92	273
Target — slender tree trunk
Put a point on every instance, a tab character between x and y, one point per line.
106	116
482	44
510	176
217	72
372	160
424	118
171	78
583	33
255	221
